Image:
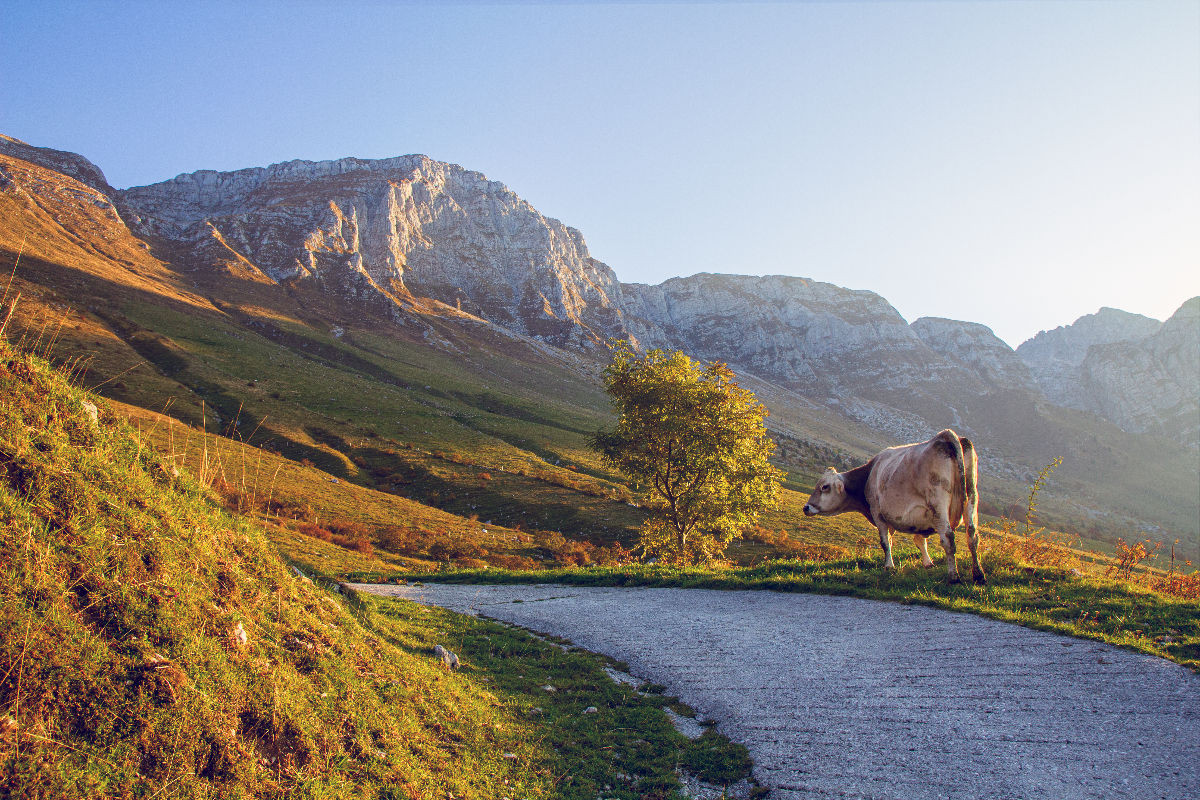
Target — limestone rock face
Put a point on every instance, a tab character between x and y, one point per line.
1152	384
978	349
1134	371
410	230
1055	357
403	226
814	337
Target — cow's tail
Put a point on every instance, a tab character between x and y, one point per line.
970	480
957	448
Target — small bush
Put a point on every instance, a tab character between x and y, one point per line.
1130	555
314	530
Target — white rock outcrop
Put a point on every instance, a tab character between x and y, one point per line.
398	226
813	336
1151	385
978	349
1054	357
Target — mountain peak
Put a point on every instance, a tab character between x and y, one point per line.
71	164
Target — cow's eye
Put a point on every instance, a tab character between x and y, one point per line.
824	489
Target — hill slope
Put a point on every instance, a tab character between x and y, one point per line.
154	644
367	316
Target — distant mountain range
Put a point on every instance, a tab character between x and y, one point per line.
410	238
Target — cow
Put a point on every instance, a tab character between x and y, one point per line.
922	489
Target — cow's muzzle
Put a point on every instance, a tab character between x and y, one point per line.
809	511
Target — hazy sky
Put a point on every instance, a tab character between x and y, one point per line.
1018	164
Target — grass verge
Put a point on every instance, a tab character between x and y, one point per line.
612	740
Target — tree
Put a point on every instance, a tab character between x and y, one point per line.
694	445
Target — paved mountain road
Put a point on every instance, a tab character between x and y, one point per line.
849	698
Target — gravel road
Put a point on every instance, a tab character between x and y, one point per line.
848	698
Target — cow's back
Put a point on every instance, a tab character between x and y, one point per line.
909	485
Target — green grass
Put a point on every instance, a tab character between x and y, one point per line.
625	749
464	400
1052	599
156	646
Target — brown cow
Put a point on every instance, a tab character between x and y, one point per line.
922	489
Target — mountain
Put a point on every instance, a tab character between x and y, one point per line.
400	228
1151	384
1055	357
60	161
1142	374
977	349
323	302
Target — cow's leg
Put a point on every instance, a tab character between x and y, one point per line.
885	541
973	543
922	543
946	534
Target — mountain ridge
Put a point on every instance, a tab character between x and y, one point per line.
412	240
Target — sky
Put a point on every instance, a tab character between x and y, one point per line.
1018	164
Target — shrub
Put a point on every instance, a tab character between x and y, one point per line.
696	441
1130	555
314	530
349	530
363	546
1185	587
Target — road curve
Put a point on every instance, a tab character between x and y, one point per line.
848	698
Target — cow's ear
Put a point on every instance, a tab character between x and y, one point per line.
831	469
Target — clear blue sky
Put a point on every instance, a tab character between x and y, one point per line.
1013	163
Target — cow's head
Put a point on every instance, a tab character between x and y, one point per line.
828	497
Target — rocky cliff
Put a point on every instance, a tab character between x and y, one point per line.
1150	384
69	164
814	337
413	229
1139	373
977	349
1055	357
402	226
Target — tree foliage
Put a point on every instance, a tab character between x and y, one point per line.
693	442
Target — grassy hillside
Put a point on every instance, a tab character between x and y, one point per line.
157	646
422	404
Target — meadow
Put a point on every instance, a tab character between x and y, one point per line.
172	576
163	645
